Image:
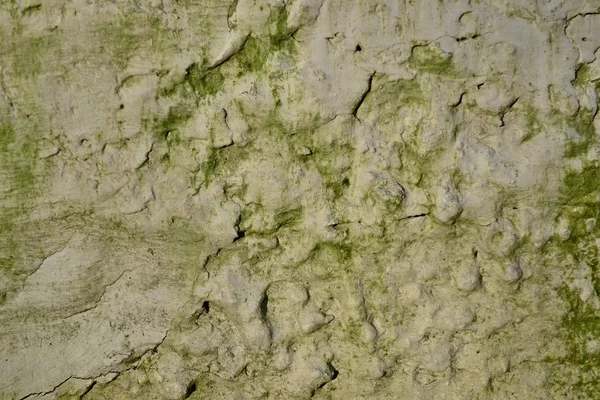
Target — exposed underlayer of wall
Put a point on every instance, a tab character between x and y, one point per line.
328	199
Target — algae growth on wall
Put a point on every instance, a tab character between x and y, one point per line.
293	199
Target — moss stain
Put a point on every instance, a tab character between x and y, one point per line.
430	59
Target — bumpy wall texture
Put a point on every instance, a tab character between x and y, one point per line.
328	199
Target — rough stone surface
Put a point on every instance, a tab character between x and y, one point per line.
328	199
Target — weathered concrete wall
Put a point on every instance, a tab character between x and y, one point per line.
268	199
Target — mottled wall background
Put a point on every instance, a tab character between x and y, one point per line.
328	199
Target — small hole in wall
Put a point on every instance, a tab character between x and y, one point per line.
240	235
334	373
190	389
584	39
358	48
121	106
205	307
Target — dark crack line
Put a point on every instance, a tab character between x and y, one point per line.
45	393
460	100
319	11
334	374
96	303
123	81
568	23
414	216
229	57
568	20
134	364
146	157
192	387
42	263
362	98
30	9
232	9
505	110
89	389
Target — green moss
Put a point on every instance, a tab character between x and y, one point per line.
583	124
579	369
279	32
582	188
459	178
333	161
580	325
533	124
407	92
579	195
419	166
354	332
336	187
429	59
119	39
253	56
331	258
288	217
256	52
27	55
8	244
177	116
392	99
224	162
18	157
582	76
255	219
273	123
211	165
205	82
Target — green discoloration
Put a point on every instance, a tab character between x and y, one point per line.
21	177
21	180
583	121
205	82
582	76
28	55
532	122
580	369
288	217
331	258
583	124
459	178
429	59
255	219
336	187
253	56
333	161
582	188
120	39
257	51
280	34
223	162
407	92
212	164
177	116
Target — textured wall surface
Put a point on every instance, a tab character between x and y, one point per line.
328	199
